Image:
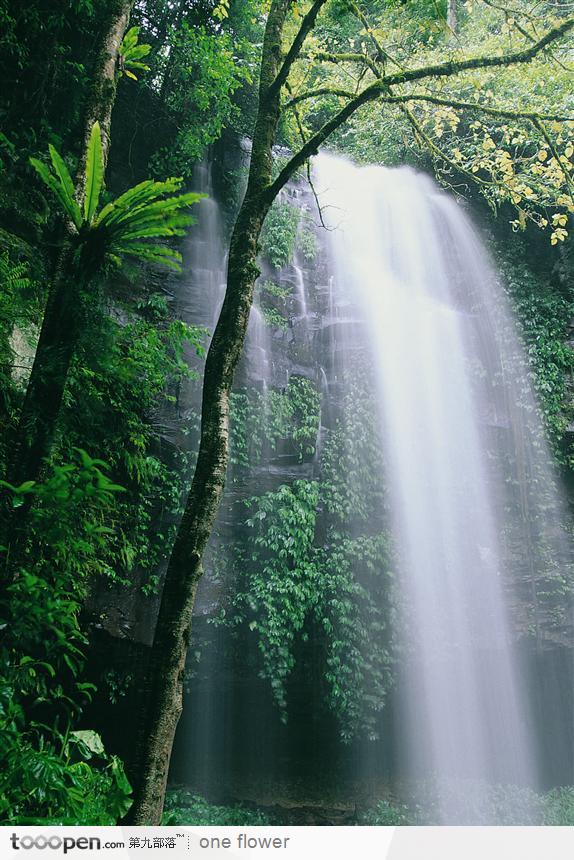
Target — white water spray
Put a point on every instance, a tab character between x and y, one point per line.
449	372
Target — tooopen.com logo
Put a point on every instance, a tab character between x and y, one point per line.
66	843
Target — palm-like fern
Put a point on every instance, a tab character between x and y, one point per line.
150	210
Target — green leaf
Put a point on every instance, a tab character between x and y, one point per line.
55	186
63	175
130	39
142	66
94	173
91	740
134	198
137	52
154	254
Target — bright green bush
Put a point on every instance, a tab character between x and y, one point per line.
279	234
50	771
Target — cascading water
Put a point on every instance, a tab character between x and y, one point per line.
466	469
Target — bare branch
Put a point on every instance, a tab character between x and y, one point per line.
303	137
516	13
315	195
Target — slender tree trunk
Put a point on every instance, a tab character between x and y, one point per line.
65	319
451	16
184	571
63	315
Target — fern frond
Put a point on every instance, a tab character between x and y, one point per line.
132	200
154	254
56	187
94	173
152	231
63	175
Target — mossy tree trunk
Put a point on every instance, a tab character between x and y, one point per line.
64	321
184	571
66	315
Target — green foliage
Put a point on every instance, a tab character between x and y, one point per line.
559	807
307	244
274	318
123	374
481	803
184	808
279	235
132	53
317	560
477	803
387	814
200	73
149	210
272	301
544	314
15	301
290	585
51	772
261	422
282	579
351	463
14	284
474	136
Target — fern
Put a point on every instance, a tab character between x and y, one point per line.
94	173
12	276
149	210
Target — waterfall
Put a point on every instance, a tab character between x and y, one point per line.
467	472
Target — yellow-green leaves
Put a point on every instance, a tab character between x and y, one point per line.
131	54
94	173
221	11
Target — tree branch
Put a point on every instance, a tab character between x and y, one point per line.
475	106
382	53
328	57
369	94
438	152
310	94
453	68
307	25
382	86
538	124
